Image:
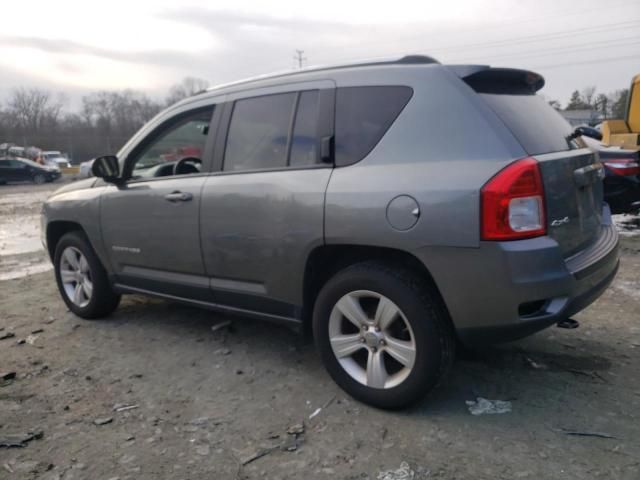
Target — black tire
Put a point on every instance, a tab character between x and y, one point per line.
39	179
103	299
428	319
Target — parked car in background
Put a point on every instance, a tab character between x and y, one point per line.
24	170
85	169
58	158
392	208
622	176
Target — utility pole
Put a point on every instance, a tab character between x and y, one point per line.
299	58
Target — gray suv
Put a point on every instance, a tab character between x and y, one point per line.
392	209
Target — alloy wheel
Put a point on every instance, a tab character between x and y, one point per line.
75	275
372	339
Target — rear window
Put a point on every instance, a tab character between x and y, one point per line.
363	115
535	124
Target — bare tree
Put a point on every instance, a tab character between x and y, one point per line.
187	87
588	95
31	108
601	104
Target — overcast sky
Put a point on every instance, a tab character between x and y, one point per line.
76	46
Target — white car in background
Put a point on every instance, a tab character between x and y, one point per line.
85	169
54	156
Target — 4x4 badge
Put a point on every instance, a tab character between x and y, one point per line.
560	221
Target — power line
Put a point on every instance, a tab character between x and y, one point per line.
555	14
542	37
569	48
587	62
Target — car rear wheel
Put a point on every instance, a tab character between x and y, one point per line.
39	179
81	278
383	335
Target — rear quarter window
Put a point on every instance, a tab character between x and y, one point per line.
363	116
535	124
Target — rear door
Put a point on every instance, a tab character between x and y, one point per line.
263	212
571	174
6	172
14	170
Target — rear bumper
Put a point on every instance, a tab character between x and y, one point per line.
503	291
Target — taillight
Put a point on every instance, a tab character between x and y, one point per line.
513	203
623	166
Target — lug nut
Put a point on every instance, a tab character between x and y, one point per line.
383	343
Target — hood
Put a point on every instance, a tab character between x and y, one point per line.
77	185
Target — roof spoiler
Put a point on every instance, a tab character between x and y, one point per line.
485	79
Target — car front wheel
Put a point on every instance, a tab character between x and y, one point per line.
39	179
82	280
383	335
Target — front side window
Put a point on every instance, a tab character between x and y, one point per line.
177	149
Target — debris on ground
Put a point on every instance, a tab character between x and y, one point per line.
7	378
315	412
535	365
221	325
19	439
484	406
31	339
403	473
319	409
103	420
296	429
585	434
223	351
123	407
259	453
6	335
290	443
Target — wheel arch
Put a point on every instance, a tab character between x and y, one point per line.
55	231
325	261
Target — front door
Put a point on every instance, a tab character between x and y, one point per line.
150	225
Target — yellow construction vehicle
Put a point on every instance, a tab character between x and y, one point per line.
625	133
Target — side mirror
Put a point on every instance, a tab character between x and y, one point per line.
107	168
587	132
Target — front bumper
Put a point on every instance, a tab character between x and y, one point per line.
503	291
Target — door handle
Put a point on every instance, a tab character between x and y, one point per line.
178	197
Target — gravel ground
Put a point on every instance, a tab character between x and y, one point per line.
152	392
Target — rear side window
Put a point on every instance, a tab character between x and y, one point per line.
535	124
274	131
258	133
304	143
363	116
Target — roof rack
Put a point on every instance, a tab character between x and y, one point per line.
405	60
